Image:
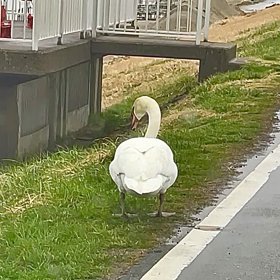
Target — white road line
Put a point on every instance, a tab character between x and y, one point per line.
181	256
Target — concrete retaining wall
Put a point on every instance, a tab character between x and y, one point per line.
77	92
34	114
9	122
32	102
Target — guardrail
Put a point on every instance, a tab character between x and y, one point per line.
187	19
55	18
174	19
13	12
46	21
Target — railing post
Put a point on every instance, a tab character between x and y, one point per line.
24	18
168	15
119	13
102	5
115	7
1	19
147	15
94	18
60	26
179	14
84	19
135	22
207	19
199	22
157	19
190	16
107	13
35	30
13	19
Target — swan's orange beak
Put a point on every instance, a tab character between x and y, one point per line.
134	120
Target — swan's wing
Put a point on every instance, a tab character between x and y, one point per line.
147	161
171	173
114	172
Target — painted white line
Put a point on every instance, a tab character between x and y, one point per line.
181	256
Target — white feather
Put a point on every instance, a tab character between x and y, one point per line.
143	166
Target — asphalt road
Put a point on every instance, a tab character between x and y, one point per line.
248	248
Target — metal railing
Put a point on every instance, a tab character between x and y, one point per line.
16	14
54	18
46	21
169	19
187	19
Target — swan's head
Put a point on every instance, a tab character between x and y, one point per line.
139	109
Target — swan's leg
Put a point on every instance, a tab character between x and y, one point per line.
160	213
161	199
122	198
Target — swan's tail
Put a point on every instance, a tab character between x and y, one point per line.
144	187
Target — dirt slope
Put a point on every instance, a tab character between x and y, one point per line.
220	9
229	29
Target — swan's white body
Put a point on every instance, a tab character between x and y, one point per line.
143	167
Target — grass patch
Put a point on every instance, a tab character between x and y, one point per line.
117	116
56	210
263	43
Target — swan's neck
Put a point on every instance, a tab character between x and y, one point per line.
154	114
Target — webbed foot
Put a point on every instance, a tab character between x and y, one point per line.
162	214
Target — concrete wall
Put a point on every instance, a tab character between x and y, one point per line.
52	106
9	121
45	95
32	102
34	114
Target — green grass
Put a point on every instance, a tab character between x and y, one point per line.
56	210
267	43
118	115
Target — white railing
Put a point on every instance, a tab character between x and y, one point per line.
116	11
46	21
174	19
72	16
54	18
16	14
15	9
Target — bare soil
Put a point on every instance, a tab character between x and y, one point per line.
231	28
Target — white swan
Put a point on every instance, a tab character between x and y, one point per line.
144	166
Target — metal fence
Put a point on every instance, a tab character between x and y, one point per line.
175	19
55	18
16	12
170	19
46	21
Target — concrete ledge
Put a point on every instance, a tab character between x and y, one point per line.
26	62
237	63
151	47
213	56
